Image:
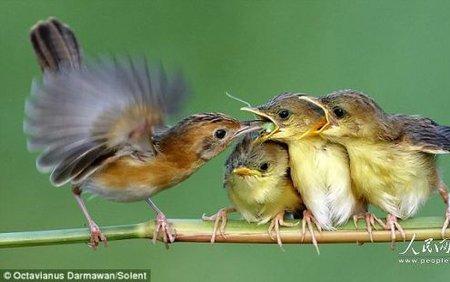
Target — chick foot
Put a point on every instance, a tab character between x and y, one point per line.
96	236
308	220
221	217
370	219
164	228
445	196
446	222
274	226
392	224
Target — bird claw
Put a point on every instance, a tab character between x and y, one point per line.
221	217
164	228
208	218
370	219
274	227
308	220
446	197
392	224
96	236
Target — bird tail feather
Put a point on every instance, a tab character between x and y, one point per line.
55	45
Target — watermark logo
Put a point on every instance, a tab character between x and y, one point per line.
75	275
430	252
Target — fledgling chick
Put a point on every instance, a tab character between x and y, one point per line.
259	186
101	127
392	157
319	169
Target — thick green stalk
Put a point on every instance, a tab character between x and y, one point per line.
191	230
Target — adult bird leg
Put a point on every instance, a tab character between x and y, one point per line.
96	234
162	225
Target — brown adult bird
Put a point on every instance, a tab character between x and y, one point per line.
101	126
392	156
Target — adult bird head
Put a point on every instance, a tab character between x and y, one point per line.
206	134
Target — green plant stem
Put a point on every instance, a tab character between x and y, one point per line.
191	230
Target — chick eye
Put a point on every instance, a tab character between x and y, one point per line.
284	114
220	133
339	112
264	166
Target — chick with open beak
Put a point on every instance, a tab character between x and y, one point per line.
392	157
259	185
319	168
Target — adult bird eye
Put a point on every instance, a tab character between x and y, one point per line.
284	114
339	112
264	166
220	133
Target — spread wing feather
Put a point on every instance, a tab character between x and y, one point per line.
83	117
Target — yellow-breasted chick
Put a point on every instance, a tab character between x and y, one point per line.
319	168
258	183
101	126
392	156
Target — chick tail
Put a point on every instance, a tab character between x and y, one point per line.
444	132
55	45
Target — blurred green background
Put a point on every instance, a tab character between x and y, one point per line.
396	51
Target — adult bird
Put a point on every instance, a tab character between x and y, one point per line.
101	126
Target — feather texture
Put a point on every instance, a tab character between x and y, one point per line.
108	108
422	134
55	45
320	171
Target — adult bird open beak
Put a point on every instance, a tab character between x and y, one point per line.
246	127
244	171
264	117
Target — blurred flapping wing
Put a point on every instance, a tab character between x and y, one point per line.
83	117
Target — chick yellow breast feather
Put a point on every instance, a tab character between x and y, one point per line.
258	199
397	180
322	177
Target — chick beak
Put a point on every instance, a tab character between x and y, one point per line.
244	171
263	115
323	123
